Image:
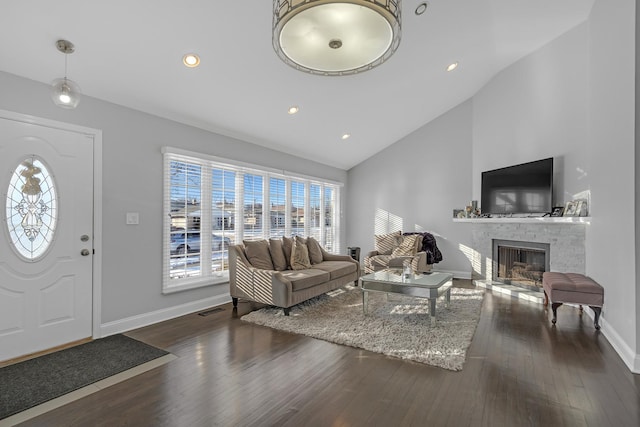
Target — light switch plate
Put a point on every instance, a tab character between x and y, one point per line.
133	218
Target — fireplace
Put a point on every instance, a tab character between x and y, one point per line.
520	263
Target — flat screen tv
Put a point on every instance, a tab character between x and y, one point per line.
520	189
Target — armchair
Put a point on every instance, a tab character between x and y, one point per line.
391	250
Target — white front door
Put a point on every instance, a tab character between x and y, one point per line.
46	241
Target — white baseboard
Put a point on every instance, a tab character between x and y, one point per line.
631	359
146	319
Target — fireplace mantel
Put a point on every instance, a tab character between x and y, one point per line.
566	236
527	220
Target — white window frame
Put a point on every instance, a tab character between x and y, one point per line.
207	164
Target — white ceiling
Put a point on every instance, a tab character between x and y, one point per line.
130	53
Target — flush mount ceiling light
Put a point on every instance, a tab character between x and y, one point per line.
293	109
65	93
452	66
335	38
191	60
346	136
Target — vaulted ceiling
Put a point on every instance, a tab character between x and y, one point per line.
130	53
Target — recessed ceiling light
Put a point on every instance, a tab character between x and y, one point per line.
452	66
346	136
191	60
293	109
422	8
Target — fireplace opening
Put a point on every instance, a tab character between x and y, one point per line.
520	263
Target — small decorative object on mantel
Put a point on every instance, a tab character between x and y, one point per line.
467	212
576	208
557	211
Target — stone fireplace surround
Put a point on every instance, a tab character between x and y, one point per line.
565	238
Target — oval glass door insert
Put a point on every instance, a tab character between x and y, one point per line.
32	208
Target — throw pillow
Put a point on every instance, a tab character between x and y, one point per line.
257	252
315	251
386	243
300	256
287	246
277	254
408	246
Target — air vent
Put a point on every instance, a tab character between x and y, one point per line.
209	312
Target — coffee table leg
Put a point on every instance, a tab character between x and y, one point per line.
365	300
447	297
432	310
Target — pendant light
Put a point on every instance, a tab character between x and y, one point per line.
65	93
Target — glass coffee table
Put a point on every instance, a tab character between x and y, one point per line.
420	285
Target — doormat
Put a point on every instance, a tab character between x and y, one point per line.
30	383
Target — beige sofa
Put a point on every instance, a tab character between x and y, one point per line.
270	278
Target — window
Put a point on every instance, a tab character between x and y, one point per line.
212	203
277	207
297	208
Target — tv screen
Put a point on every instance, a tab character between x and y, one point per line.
519	189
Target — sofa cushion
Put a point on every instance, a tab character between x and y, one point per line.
303	279
257	252
408	246
287	246
315	251
386	243
300	256
337	269
277	254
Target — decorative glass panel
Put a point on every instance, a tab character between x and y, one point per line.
32	208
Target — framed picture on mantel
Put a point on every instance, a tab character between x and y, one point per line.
581	208
576	208
570	209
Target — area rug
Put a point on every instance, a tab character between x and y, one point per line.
27	384
395	325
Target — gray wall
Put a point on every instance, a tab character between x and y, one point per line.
611	253
132	182
538	108
573	100
418	181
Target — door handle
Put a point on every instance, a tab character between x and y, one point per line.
85	252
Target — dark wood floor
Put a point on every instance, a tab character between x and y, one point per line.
520	371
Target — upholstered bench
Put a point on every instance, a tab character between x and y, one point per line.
572	288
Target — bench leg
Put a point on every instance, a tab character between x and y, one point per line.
546	299
596	311
554	307
235	301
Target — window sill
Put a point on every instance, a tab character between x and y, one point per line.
195	284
